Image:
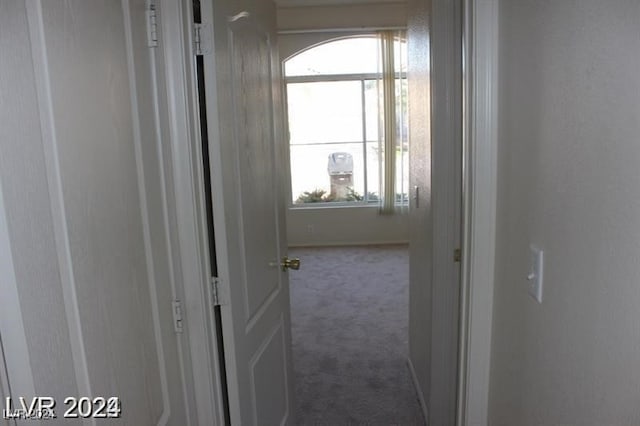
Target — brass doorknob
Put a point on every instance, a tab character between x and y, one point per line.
293	263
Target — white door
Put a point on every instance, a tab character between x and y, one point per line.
246	145
79	175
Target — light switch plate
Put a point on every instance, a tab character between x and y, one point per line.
536	273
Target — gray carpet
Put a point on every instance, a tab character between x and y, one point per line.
349	329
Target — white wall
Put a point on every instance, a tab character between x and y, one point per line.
569	124
352	16
344	226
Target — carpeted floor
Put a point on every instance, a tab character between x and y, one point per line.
349	329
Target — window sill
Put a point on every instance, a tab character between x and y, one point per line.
332	206
323	206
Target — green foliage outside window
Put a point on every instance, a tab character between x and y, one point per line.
321	196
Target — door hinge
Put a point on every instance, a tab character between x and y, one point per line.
457	255
177	316
152	26
202	39
215	291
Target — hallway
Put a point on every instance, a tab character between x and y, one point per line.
349	331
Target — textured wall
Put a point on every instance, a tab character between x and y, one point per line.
569	122
342	16
345	226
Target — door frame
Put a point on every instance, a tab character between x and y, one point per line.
16	372
480	53
185	178
480	146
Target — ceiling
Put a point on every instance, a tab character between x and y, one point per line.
290	3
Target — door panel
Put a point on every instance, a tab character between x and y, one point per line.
268	378
253	104
243	106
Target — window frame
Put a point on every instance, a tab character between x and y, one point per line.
322	78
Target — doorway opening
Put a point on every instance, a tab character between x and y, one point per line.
245	136
346	104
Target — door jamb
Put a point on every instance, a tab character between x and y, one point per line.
185	178
480	144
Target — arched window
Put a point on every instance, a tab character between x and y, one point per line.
345	146
354	55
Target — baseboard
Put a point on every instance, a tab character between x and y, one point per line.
416	385
348	243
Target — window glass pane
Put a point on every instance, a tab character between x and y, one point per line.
400	56
402	147
309	173
402	113
343	116
346	56
402	176
325	112
372	101
374	166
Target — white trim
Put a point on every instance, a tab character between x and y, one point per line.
54	180
190	224
416	386
220	220
343	30
342	205
480	180
446	208
174	278
144	214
